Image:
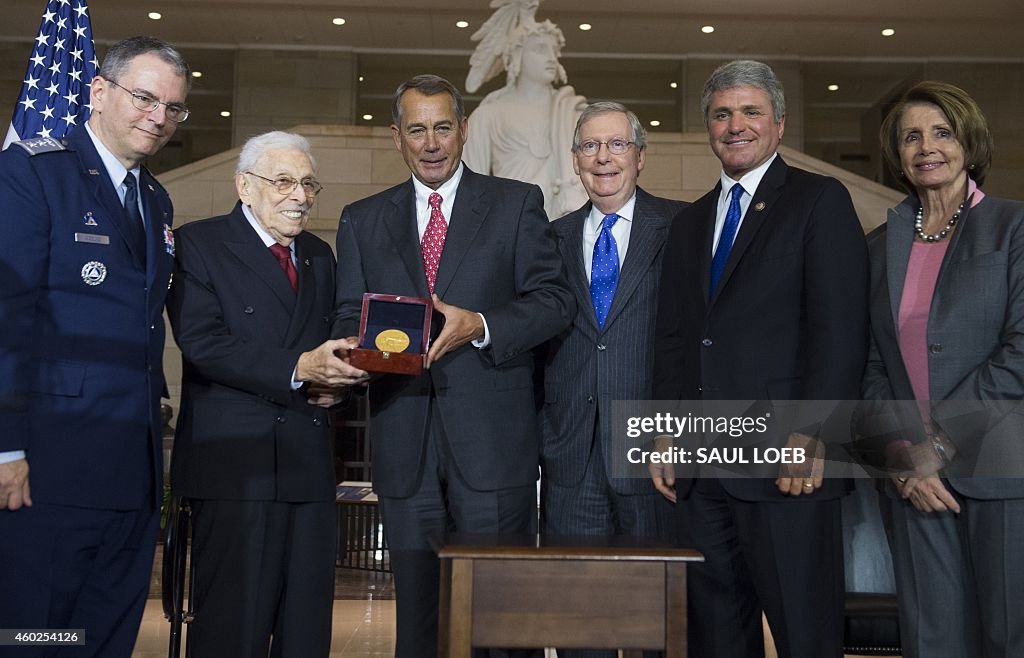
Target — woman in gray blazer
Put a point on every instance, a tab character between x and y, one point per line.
947	331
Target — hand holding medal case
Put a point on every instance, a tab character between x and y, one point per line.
393	334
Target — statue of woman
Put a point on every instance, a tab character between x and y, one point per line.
524	130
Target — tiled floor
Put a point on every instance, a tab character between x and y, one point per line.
362	629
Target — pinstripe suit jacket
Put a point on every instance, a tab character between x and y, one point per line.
587	367
975	337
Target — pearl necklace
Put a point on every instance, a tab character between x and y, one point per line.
919	225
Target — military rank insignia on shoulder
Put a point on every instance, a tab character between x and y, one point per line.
38	145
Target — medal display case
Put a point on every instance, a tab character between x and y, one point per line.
394	331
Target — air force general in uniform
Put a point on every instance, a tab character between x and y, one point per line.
86	254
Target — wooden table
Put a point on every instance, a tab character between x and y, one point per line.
526	591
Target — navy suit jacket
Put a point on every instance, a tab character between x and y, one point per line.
788	320
587	367
81	360
243	433
499	259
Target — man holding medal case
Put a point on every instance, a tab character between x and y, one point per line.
455	447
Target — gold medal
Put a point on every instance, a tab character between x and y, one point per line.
392	340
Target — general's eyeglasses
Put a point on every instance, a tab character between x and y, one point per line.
175	111
286	185
615	147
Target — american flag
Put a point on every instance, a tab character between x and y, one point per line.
55	95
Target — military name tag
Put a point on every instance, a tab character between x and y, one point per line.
92	238
392	340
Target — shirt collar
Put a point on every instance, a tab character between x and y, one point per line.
749	180
596	218
268	240
115	169
446	190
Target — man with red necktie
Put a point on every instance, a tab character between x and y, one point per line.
455	448
250	308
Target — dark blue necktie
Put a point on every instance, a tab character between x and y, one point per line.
136	228
604	273
732	222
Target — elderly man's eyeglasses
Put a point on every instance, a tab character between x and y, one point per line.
175	111
286	184
615	147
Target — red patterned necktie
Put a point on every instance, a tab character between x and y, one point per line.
284	258
433	240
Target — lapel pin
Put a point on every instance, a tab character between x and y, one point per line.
151	188
94	272
759	206
89	219
94	172
306	261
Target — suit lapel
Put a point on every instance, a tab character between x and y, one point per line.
104	189
306	292
646	237
468	215
706	206
400	221
898	241
570	231
246	245
758	212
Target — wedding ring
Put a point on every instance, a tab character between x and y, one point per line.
901	480
809	485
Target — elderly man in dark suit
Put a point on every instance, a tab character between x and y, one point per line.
86	254
251	309
457	446
613	247
763	297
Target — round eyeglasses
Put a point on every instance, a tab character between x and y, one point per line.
616	146
175	111
286	185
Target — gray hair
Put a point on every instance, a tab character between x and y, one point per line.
608	107
745	73
427	84
256	146
120	56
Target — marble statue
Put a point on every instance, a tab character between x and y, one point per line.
524	130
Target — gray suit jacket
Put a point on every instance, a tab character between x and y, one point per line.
499	259
975	337
587	368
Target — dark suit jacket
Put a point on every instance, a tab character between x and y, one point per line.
975	336
499	259
81	366
587	368
788	320
242	433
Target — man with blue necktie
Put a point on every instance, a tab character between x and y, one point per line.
763	297
612	247
86	254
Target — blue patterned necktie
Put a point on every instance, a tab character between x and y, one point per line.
732	222
136	226
604	273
